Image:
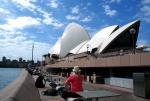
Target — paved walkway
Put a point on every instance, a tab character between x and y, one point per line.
125	94
45	97
49	98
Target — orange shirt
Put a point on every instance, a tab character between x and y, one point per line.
76	83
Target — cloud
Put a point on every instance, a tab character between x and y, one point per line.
89	4
14	46
4	13
142	42
109	11
111	1
145	1
86	19
24	50
75	10
19	23
145	11
47	16
115	1
85	8
51	20
28	4
54	3
71	17
15	43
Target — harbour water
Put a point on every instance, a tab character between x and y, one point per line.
7	75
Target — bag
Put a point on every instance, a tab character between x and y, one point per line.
51	92
53	85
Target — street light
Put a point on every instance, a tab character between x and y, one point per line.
87	46
32	53
133	32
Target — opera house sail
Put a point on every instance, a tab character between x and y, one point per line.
121	38
76	40
73	35
94	43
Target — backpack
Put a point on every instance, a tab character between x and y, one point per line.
51	92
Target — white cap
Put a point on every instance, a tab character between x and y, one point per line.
76	69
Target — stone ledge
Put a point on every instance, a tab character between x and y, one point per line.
22	89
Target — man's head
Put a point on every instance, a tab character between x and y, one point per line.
76	69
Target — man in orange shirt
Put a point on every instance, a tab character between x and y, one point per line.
75	81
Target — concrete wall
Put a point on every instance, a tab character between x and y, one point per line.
22	89
126	60
121	82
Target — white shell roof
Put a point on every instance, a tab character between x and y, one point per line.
84	48
56	47
100	36
97	39
75	39
76	49
114	35
73	35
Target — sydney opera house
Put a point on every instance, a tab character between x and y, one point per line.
111	54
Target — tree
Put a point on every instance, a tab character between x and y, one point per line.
4	59
20	59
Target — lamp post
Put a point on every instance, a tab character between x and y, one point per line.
133	32
87	46
32	52
62	72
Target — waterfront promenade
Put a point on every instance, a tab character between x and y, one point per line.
23	89
123	94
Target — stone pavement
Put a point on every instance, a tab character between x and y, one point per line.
49	98
125	94
45	97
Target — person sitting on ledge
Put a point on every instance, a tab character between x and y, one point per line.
29	68
40	81
75	80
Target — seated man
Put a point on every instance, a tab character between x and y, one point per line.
40	82
75	81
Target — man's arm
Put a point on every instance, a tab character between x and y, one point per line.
68	81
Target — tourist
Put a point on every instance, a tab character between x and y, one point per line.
75	81
29	68
40	82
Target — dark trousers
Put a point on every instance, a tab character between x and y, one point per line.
66	95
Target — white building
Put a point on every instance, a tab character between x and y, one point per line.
76	40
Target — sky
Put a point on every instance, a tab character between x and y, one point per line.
42	22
